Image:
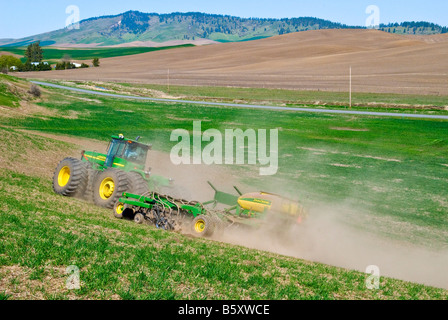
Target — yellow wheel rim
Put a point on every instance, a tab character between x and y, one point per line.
107	188
120	209
64	176
199	226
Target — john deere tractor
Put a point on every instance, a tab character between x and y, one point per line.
103	178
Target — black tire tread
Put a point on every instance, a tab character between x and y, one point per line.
209	226
139	218
78	178
137	184
82	188
88	195
121	186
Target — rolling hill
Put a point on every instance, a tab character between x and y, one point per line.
311	60
151	29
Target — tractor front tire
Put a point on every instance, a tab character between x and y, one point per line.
203	226
70	178
109	186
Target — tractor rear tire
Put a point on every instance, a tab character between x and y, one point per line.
70	178
203	226
109	186
137	185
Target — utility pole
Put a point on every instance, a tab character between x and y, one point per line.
168	81
350	87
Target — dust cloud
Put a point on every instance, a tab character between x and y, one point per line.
328	235
324	237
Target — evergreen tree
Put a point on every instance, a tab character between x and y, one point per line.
34	52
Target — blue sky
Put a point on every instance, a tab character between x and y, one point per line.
22	18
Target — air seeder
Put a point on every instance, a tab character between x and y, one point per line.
204	219
103	178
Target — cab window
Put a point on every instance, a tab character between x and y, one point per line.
135	153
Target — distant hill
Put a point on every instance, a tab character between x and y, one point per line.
144	28
135	26
310	60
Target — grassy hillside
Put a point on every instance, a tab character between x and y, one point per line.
399	181
6	97
42	234
14	91
365	161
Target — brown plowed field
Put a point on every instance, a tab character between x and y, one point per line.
312	60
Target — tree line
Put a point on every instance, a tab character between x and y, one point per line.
204	25
414	27
34	61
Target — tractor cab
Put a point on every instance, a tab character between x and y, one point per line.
129	150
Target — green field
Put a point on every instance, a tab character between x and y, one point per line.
89	54
392	173
294	97
366	161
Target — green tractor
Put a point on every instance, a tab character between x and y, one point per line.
103	178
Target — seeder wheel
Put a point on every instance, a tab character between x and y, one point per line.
139	218
203	226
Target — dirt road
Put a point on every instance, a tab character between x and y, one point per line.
211	104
